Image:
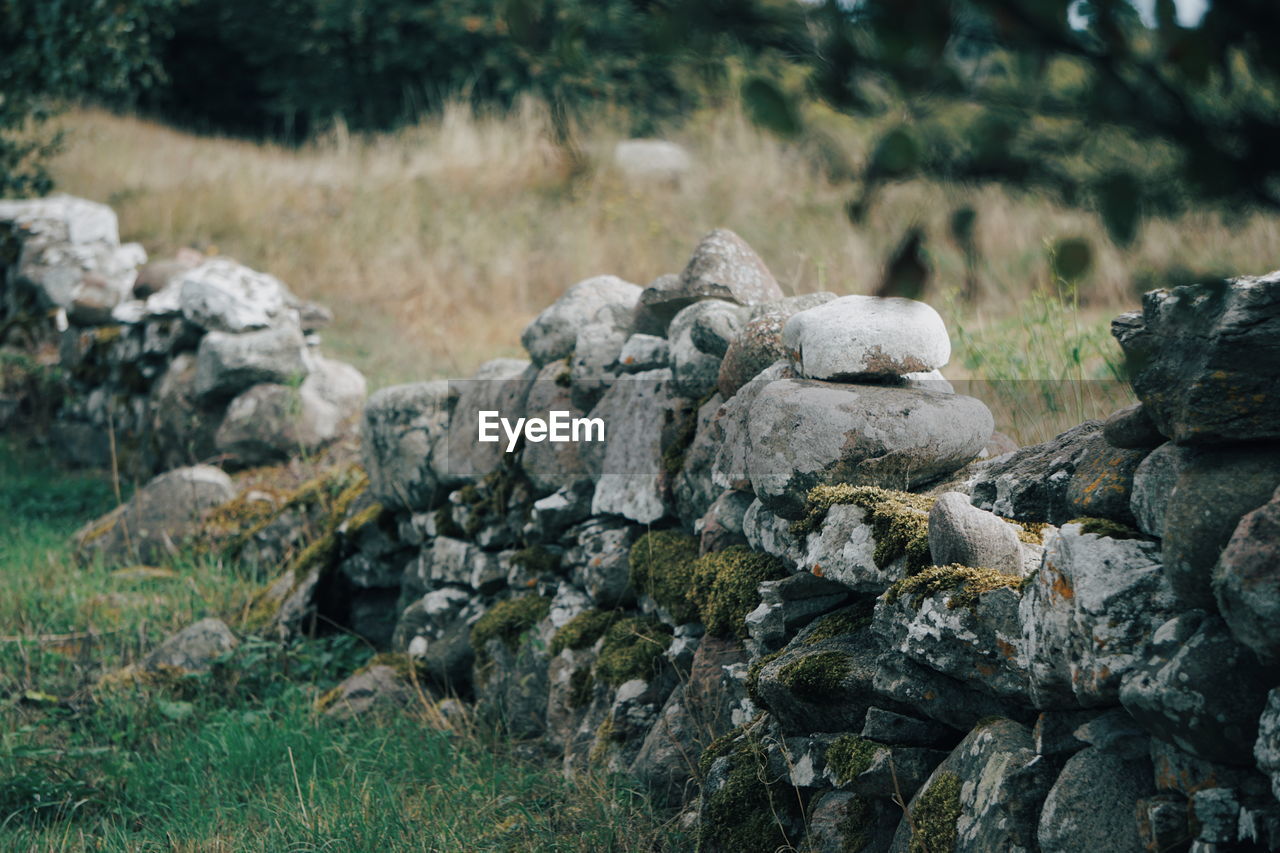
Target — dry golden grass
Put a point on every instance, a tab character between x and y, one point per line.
436	244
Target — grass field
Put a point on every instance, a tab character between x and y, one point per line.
435	245
238	759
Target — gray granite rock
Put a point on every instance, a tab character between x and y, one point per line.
859	337
553	333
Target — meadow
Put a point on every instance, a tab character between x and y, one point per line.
237	759
436	244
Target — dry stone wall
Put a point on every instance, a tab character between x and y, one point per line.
795	592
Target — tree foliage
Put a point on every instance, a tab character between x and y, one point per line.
1080	99
51	50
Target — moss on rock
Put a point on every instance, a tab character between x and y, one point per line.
537	560
744	814
967	582
899	520
1106	527
583	630
581	687
855	827
753	675
934	817
725	587
815	677
841	623
849	756
634	647
661	566
507	621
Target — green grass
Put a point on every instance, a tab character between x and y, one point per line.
236	759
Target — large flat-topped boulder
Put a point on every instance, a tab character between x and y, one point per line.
805	433
1205	359
723	266
860	337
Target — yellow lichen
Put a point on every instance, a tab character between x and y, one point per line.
966	583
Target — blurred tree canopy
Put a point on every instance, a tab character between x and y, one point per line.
57	49
288	67
1079	99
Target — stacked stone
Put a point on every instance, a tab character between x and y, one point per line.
790	594
185	360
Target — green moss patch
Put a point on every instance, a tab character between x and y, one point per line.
583	630
633	648
966	582
815	677
753	675
1106	527
899	520
661	566
725	587
581	687
744	813
856	825
841	623
507	621
1031	532
934	817
850	756
537	560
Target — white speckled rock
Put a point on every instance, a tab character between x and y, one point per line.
866	336
222	295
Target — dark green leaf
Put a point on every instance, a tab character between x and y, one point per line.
769	106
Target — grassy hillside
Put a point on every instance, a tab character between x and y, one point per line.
436	244
237	759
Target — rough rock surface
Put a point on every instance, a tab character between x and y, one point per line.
1131	428
1031	483
1092	804
723	267
157	518
1153	483
859	337
553	333
194	648
1246	581
1214	490
960	533
228	364
805	433
1087	613
759	343
221	295
986	795
403	426
1204	362
1199	689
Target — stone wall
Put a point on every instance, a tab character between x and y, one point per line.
796	593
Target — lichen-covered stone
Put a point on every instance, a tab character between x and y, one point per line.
1246	581
961	623
1087	614
224	296
759	343
227	364
1215	489
804	433
1153	483
986	796
600	560
1102	483
1092	804
553	333
1031	484
402	430
1203	359
1199	689
722	267
1131	428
